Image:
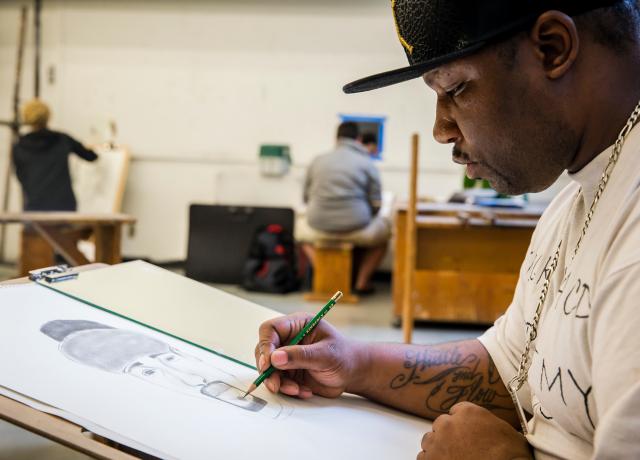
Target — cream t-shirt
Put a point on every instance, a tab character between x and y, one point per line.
583	387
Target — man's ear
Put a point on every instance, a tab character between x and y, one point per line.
556	42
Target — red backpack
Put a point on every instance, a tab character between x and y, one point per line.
271	264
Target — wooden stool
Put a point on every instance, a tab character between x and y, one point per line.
332	271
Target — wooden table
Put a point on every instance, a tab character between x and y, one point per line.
46	232
467	260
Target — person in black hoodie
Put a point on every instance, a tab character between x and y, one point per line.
41	160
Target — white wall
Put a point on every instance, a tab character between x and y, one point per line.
196	86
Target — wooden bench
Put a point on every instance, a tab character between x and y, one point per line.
332	271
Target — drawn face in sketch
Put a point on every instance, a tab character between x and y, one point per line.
127	352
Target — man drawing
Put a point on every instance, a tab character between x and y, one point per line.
525	90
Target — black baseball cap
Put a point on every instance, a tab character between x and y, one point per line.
434	32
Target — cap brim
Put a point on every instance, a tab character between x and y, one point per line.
407	73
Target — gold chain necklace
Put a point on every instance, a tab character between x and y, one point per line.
525	363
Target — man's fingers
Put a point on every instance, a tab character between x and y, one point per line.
269	340
462	407
273	382
429	447
291	387
305	392
440	422
276	332
279	383
426	440
316	356
279	331
262	363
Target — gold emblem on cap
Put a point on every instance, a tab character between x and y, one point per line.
404	43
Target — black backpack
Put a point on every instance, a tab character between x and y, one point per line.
271	265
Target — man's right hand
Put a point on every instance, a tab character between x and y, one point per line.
325	363
425	380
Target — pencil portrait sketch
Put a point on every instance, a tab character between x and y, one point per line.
132	353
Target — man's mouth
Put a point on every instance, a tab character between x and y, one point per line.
473	172
461	157
464	162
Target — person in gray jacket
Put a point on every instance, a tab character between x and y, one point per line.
343	194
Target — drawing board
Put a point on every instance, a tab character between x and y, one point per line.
99	186
174	304
168	398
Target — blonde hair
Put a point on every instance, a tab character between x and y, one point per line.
36	114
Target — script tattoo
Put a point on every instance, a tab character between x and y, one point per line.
450	377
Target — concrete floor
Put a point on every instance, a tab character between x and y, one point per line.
371	319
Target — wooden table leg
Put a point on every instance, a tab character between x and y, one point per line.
410	250
35	252
63	244
58	430
108	240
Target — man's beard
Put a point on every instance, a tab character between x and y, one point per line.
499	182
528	165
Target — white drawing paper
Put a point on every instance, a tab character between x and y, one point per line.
174	304
134	353
173	398
99	185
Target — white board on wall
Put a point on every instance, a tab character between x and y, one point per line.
99	185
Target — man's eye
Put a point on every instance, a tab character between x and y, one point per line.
455	92
148	372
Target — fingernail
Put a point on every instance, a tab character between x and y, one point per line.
279	358
261	363
270	386
289	388
305	392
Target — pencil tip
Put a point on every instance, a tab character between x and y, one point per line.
249	391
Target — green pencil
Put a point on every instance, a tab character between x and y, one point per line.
296	340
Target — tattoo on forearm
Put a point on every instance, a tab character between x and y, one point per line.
460	378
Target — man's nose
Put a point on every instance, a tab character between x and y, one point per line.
445	129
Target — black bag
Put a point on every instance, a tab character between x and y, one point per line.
271	265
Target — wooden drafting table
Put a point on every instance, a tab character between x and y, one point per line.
467	260
194	322
60	231
56	428
211	324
